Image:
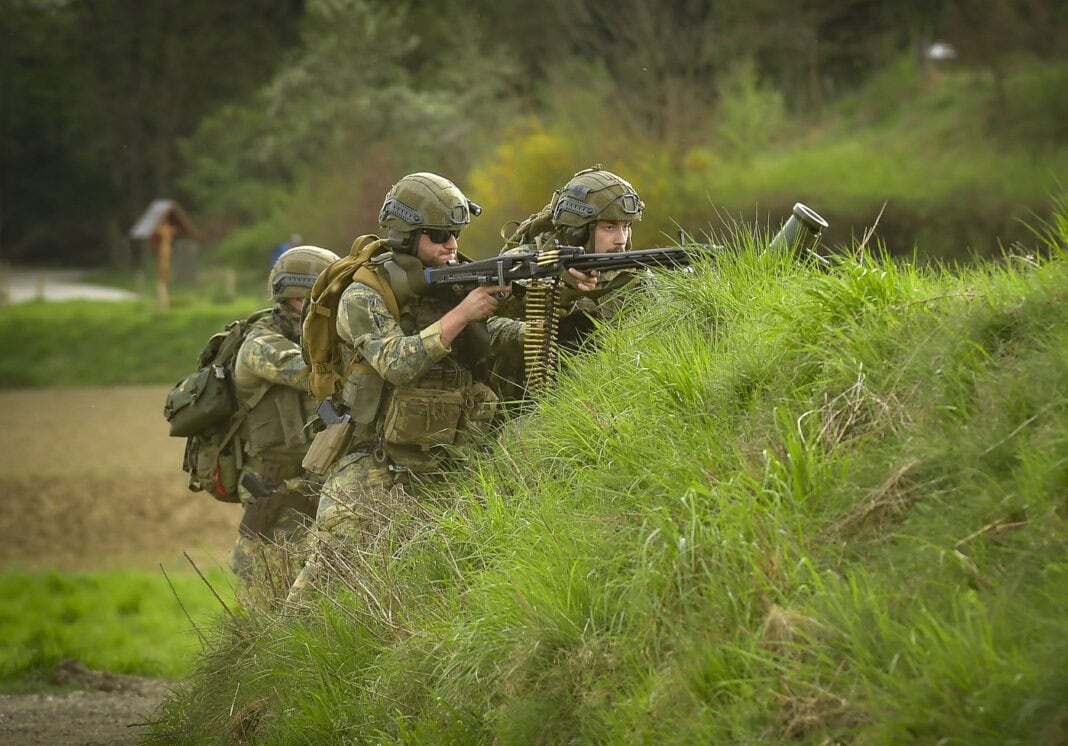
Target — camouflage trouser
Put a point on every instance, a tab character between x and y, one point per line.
355	505
268	564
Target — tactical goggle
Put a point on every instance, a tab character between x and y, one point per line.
440	235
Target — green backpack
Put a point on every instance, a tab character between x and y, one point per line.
520	233
203	408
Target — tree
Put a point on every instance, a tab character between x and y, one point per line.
101	90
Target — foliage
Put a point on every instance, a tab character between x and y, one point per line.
123	621
294	114
777	503
100	92
1038	106
751	116
341	121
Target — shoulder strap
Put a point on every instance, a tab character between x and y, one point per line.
371	279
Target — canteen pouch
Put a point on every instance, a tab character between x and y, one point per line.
327	446
212	469
480	407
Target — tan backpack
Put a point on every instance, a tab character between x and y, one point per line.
320	342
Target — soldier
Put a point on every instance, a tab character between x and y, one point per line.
595	209
417	380
271	381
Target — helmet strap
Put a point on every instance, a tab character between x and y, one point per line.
404	242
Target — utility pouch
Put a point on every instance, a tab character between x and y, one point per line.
480	407
328	445
212	469
199	401
423	417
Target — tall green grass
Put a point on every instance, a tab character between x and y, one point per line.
122	621
86	343
777	504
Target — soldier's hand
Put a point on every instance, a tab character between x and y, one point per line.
481	302
583	281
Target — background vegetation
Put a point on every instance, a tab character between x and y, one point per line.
266	118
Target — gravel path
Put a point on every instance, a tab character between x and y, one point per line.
23	284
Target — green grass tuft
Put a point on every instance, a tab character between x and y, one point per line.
122	621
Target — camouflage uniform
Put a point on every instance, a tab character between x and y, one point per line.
271	382
363	488
569	219
411	399
269	371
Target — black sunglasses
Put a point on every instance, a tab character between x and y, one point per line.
440	235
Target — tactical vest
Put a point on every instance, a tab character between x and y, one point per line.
449	405
274	432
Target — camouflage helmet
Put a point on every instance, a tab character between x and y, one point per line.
423	200
595	194
293	275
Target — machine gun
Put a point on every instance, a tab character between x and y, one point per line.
550	263
539	272
801	232
541	269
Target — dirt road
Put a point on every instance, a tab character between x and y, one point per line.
90	479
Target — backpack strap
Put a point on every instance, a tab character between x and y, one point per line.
367	276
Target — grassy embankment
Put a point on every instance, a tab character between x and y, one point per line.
777	505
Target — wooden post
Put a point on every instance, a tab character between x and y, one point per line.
165	231
229	284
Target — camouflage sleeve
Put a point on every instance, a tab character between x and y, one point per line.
365	322
504	331
268	356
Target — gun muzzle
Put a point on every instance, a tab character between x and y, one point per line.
801	233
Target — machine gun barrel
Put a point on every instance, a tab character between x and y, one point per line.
547	263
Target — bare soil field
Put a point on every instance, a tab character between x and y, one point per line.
89	480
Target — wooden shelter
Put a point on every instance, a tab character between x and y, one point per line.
166	229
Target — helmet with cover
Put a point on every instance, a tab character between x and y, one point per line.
594	194
293	275
423	201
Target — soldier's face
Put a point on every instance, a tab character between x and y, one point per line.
433	254
610	235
